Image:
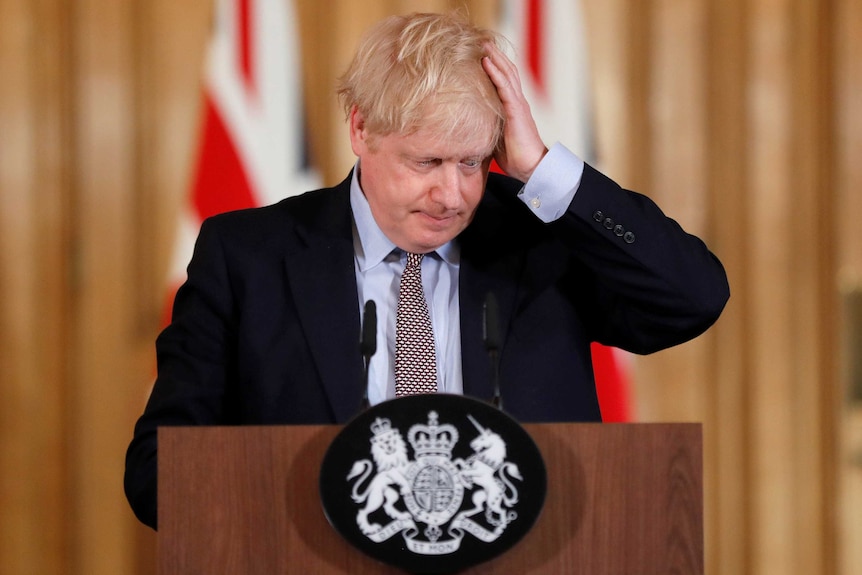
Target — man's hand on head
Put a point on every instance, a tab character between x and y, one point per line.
522	147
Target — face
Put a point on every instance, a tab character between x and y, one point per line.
423	191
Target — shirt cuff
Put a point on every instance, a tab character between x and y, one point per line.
554	183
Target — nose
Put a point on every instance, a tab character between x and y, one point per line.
447	188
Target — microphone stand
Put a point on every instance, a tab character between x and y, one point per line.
367	345
492	345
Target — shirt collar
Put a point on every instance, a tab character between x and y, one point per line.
370	243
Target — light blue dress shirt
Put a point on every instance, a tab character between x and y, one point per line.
379	264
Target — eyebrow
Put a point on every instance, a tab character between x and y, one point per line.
457	157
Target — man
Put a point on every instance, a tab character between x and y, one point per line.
265	330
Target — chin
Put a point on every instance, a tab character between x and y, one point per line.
425	245
424	239
435	241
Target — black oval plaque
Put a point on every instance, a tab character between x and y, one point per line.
433	483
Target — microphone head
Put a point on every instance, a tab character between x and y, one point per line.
491	326
368	341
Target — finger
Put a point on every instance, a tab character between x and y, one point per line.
494	73
503	62
503	73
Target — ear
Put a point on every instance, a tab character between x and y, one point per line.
358	133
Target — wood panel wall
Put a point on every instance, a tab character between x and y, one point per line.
741	117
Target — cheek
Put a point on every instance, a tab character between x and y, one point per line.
381	189
393	202
405	192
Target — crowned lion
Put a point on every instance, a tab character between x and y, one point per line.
390	458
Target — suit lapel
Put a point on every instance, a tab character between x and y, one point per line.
321	274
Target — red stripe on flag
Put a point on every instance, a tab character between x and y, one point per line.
246	60
611	385
220	183
535	42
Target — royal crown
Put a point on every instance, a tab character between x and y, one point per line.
381	426
432	439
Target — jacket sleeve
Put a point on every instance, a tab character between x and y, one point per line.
193	365
653	284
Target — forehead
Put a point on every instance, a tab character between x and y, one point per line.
427	142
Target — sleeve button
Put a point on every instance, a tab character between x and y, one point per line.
629	238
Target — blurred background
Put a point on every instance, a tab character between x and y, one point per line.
742	118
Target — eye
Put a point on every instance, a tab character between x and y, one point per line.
471	163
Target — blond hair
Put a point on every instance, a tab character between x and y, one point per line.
424	71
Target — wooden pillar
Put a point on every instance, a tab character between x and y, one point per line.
848	185
34	280
726	409
103	311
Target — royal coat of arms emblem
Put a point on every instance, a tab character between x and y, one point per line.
441	480
433	486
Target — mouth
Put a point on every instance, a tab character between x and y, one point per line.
440	219
438	223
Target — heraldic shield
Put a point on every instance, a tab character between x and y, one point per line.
433	483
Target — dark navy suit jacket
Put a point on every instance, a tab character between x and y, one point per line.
266	329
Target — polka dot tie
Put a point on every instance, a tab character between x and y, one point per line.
415	358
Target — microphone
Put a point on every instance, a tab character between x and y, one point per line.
491	335
368	344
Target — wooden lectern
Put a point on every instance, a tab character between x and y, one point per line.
622	499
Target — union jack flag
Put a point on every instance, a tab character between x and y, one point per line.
252	141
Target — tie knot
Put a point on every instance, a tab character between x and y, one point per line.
414	260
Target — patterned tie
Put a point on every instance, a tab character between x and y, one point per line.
415	358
